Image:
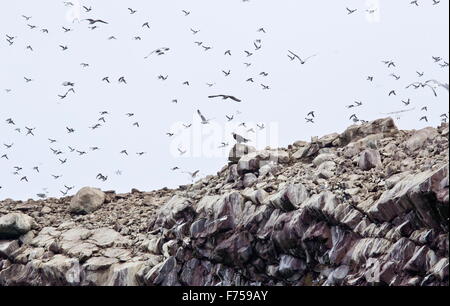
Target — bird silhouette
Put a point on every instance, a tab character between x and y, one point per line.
302	61
93	21
225	97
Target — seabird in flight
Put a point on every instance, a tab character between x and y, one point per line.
225	97
295	56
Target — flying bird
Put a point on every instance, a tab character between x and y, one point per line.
225	97
204	120
193	175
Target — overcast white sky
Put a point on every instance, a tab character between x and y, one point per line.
349	48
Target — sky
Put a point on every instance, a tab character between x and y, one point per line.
346	50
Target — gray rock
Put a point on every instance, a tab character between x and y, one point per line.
385	126
14	225
87	200
238	151
252	162
420	138
106	237
327	140
288	198
321	158
249	180
285	218
7	247
99	263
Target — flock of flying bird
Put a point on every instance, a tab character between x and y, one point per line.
292	56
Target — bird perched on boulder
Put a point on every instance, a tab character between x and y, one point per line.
225	97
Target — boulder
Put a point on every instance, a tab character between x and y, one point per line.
252	162
423	192
321	158
369	159
386	126
7	247
238	151
289	198
14	225
421	138
249	180
87	200
327	140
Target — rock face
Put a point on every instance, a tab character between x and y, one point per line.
238	151
87	200
365	207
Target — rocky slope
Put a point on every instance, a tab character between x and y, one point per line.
365	207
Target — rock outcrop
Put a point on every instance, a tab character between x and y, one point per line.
365	207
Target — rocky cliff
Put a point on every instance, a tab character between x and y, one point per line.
365	207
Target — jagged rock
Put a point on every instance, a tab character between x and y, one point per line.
249	180
178	208
338	275
311	214
290	265
118	253
324	157
440	269
299	153
289	198
252	162
7	247
413	192
87	200
233	174
61	270
238	151
300	143
106	237
269	169
421	138
195	272
99	263
369	159
164	274
235	250
14	225
256	196
124	274
327	140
